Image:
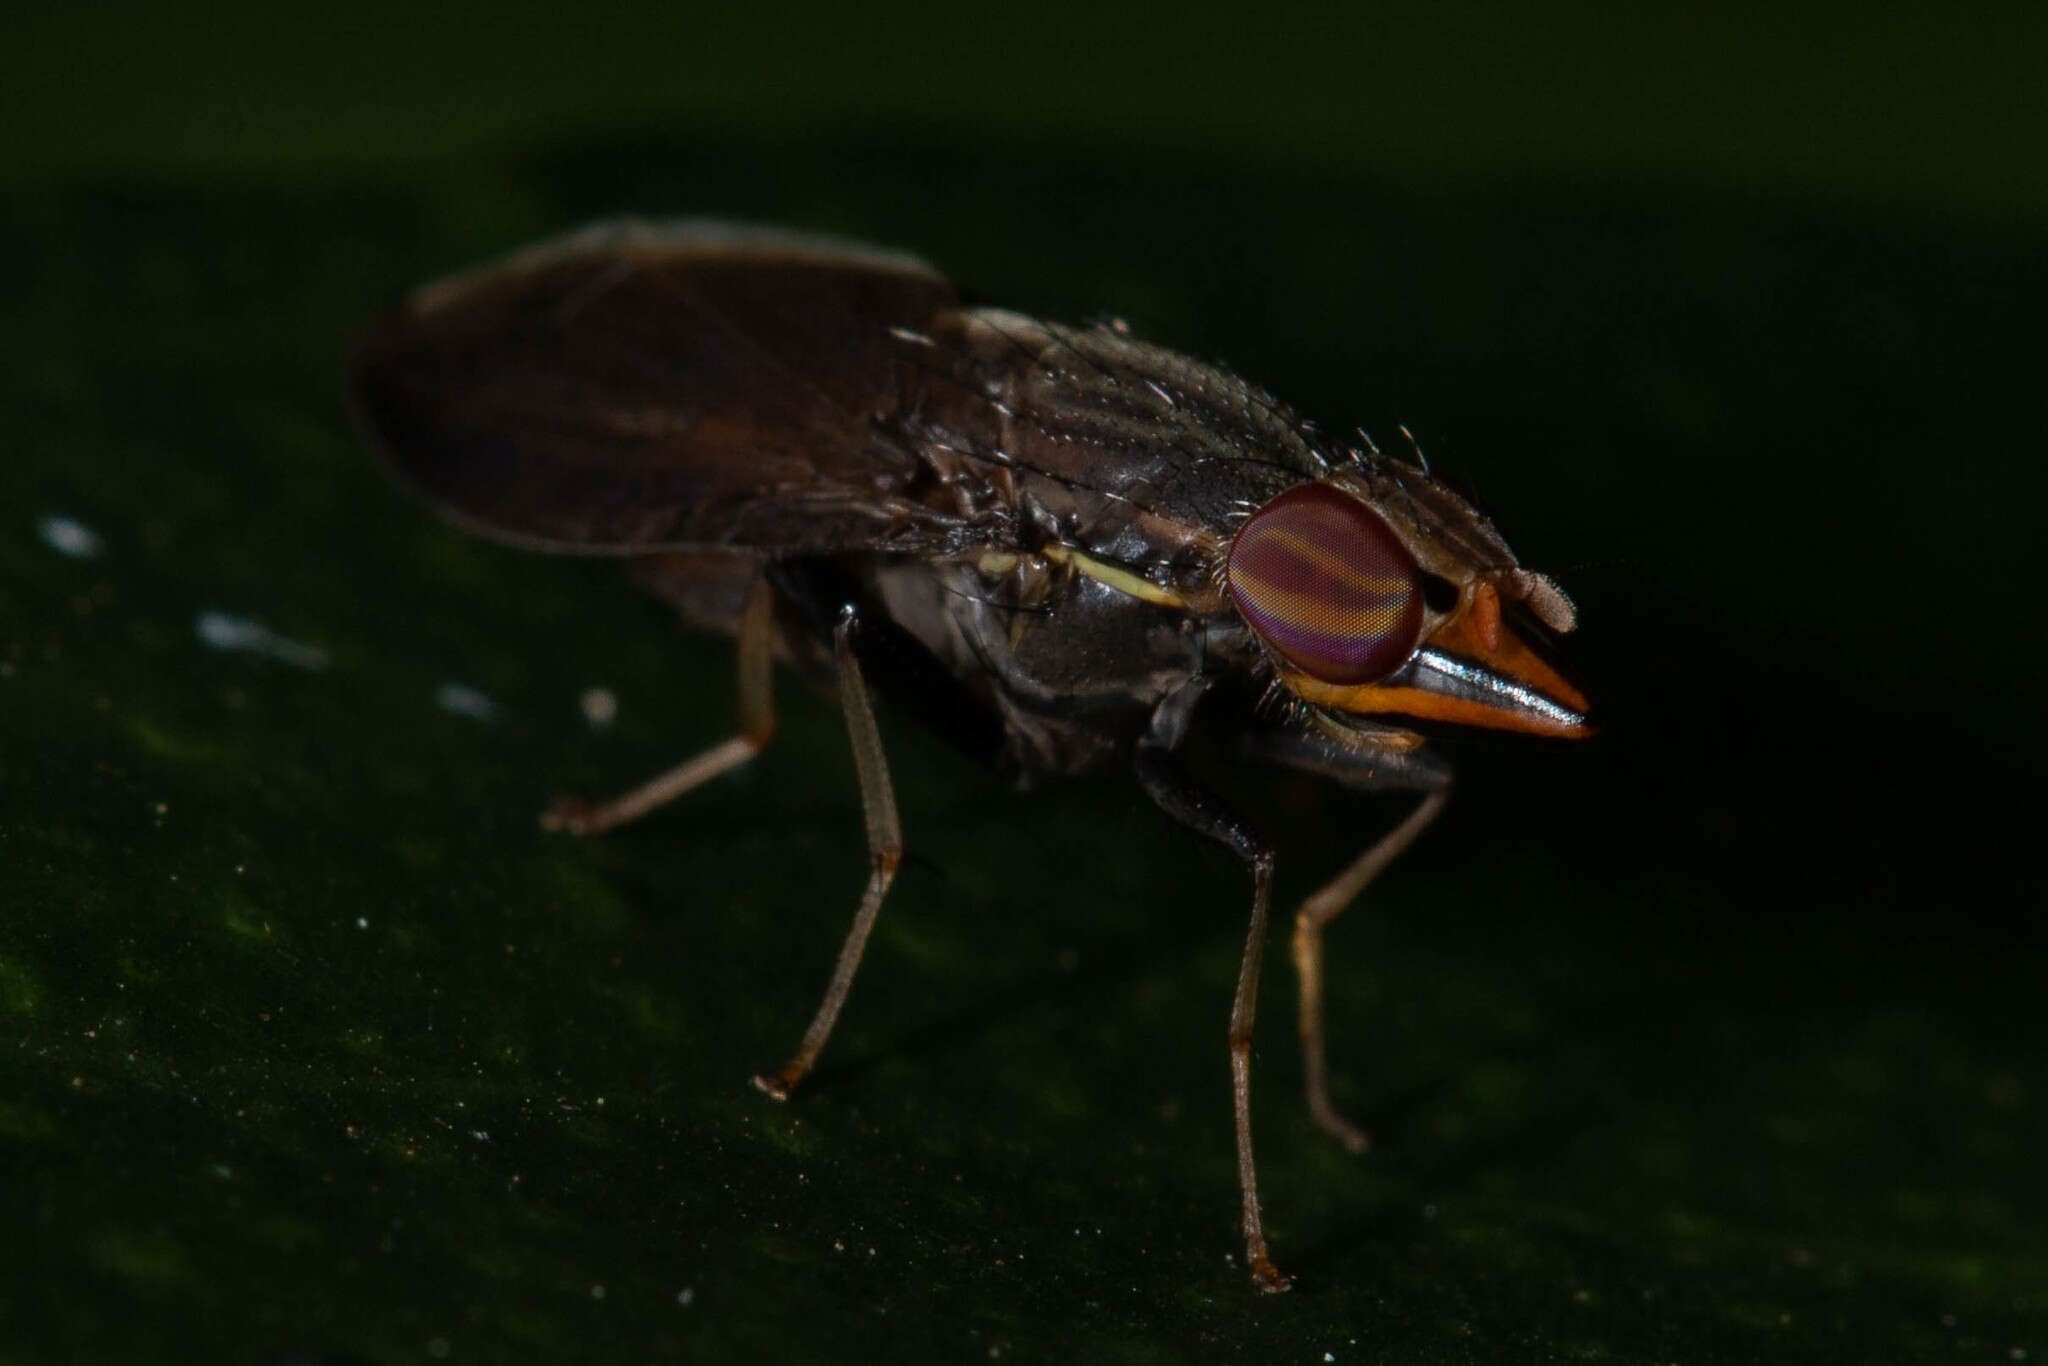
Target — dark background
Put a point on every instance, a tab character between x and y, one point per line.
1715	1039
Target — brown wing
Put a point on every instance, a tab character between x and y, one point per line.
643	386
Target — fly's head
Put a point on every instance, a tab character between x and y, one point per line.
1378	591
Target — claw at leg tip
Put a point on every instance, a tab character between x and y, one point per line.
1270	1279
566	813
1354	1139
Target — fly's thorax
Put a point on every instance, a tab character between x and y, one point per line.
1060	623
1125	451
1066	666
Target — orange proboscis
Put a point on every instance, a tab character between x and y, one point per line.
1477	634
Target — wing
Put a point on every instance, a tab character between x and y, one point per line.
679	385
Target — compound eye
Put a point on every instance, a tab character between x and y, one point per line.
1326	583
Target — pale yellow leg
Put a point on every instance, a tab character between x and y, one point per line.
1318	911
757	727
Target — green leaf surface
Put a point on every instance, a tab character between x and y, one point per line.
1716	1039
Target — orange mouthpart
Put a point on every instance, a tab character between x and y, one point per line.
1537	701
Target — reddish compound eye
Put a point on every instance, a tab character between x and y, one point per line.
1326	583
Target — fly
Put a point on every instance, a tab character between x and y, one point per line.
1051	542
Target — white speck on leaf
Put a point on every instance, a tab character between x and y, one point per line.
225	631
600	707
463	700
68	536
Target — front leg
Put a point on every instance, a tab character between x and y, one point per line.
1361	759
1168	783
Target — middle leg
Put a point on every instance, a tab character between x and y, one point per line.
885	853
